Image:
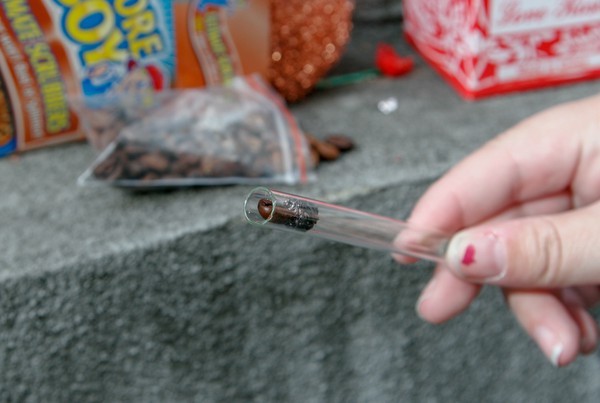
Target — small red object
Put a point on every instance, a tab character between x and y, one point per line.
469	257
390	63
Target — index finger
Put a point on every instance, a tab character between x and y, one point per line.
534	159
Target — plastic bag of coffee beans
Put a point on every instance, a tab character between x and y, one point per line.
236	134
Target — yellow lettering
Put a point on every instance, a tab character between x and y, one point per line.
38	53
52	89
143	23
148	45
226	68
15	8
56	110
23	23
43	62
216	43
214	34
57	121
199	23
26	28
136	27
53	93
80	12
129	10
108	50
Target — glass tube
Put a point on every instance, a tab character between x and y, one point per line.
283	211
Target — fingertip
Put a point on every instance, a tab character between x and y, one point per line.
559	346
569	352
425	309
588	328
478	255
589	338
444	297
404	259
548	321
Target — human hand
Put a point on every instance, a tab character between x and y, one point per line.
527	205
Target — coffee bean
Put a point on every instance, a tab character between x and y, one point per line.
343	143
315	158
265	207
154	161
195	138
151	176
312	140
327	152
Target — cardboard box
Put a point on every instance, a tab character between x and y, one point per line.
487	47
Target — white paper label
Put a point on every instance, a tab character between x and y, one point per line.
509	16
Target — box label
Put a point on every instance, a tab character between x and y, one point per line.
520	15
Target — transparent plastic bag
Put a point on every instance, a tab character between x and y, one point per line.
236	134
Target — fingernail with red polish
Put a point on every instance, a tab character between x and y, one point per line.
477	255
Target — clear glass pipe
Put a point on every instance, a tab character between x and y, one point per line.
278	210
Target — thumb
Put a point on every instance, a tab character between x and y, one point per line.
544	252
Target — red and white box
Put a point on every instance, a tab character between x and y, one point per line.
487	47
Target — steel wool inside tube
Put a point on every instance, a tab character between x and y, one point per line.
279	210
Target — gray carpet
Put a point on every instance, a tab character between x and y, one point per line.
111	296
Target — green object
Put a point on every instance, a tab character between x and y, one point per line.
350	78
